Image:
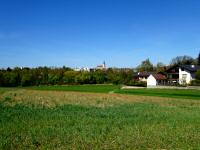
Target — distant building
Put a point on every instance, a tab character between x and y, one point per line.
77	69
101	67
82	69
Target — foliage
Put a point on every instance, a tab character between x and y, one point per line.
58	76
198	59
69	77
65	75
183	60
146	65
160	67
197	75
195	83
26	79
137	83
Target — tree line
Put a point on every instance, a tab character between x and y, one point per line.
147	65
60	76
65	75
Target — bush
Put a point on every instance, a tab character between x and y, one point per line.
198	75
195	83
137	83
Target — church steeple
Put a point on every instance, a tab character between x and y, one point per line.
104	64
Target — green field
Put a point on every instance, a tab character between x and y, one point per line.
56	118
172	93
175	93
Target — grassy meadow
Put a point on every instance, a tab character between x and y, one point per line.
175	93
62	118
101	88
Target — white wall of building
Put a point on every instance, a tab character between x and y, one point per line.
184	77
151	81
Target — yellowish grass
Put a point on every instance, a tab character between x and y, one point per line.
57	98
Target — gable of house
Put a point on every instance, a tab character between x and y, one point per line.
151	81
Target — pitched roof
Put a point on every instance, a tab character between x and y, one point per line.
159	76
144	74
191	68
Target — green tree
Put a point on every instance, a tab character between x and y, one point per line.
69	77
83	78
53	79
99	77
26	79
160	66
198	59
145	65
1	79
9	79
182	60
198	75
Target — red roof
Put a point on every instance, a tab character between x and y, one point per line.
159	76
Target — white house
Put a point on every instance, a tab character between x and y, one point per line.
185	76
155	79
182	74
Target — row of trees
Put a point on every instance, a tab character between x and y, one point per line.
51	76
146	65
65	75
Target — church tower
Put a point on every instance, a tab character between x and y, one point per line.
104	64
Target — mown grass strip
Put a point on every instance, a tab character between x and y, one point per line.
171	93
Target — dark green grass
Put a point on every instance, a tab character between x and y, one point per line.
80	88
131	126
171	93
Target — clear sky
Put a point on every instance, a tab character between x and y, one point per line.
80	33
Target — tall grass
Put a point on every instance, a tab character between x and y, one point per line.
34	119
128	126
80	88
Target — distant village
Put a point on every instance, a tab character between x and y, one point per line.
182	71
99	67
178	74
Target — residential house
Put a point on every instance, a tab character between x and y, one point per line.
182	74
142	76
156	79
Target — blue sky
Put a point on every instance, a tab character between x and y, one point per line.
80	33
